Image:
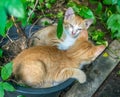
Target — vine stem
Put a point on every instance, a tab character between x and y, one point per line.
33	10
12	40
9	37
30	31
19	30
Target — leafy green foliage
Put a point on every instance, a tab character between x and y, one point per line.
5	86
41	6
83	11
113	17
48	5
9	24
41	1
1	90
1	52
60	28
110	2
60	14
113	23
8	87
108	13
3	20
99	8
20	96
14	8
98	37
6	71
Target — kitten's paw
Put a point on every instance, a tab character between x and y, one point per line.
82	77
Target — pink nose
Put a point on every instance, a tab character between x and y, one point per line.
73	33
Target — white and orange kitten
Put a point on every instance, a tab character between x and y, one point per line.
42	66
73	25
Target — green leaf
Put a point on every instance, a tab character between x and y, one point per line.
9	24
1	91
53	1
60	14
116	35
48	5
1	52
15	8
113	23
99	8
86	12
97	35
20	96
60	28
93	1
24	21
83	11
109	2
6	71
118	2
32	1
102	42
118	8
3	20
41	1
8	87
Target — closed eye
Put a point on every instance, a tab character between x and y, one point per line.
79	29
71	25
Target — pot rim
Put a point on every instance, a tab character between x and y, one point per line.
28	90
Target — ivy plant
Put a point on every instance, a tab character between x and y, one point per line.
108	13
14	8
113	24
6	72
98	37
113	21
110	2
20	96
1	53
83	11
60	28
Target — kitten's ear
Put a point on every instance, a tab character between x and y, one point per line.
88	22
99	49
69	14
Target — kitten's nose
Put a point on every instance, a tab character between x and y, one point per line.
73	32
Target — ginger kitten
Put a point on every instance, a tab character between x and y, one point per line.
73	25
42	66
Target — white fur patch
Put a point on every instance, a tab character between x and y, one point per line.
69	41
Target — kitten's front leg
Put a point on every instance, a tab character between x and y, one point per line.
71	73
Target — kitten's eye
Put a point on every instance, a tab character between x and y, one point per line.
71	25
79	29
